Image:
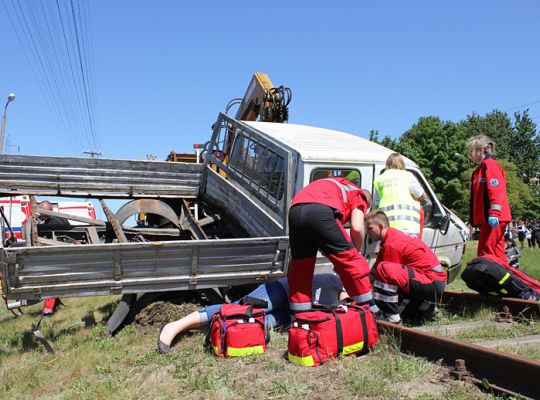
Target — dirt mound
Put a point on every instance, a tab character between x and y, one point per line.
160	312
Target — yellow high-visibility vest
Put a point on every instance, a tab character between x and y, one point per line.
395	200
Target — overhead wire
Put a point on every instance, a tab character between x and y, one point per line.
83	73
70	61
35	61
523	105
54	39
43	24
88	58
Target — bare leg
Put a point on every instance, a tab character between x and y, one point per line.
190	321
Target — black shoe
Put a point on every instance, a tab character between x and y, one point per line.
162	347
428	314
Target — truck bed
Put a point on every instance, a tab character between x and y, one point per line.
121	268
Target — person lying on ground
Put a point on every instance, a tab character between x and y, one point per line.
327	290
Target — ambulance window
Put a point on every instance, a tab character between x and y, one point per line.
349	173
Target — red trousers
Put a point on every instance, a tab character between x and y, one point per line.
492	242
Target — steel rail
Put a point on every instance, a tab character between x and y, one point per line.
500	372
517	307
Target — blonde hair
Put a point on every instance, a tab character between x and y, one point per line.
481	142
378	216
395	161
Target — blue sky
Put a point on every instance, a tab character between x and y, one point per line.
163	70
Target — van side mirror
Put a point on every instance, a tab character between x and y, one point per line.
444	224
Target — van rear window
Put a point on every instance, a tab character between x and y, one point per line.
259	165
348	173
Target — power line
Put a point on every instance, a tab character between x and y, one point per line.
524	105
55	43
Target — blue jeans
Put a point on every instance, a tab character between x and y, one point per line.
277	312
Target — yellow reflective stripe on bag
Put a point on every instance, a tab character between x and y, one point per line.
504	278
302	361
244	351
353	348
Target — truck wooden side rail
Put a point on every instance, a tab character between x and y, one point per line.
40	272
95	177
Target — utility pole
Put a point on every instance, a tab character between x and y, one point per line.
9	145
11	97
93	153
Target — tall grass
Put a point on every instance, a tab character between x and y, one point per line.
87	364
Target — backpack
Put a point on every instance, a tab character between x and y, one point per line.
488	276
322	334
237	330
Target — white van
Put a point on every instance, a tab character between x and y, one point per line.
324	153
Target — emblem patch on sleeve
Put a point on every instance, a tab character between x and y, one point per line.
494	182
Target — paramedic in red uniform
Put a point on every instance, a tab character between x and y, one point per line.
405	268
489	207
316	218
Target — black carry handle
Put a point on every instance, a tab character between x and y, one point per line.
339	334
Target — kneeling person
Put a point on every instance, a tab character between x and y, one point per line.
405	268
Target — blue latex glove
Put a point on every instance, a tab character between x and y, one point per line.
493	221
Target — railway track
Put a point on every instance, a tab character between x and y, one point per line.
517	307
500	373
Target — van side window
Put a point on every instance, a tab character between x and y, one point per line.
258	164
348	173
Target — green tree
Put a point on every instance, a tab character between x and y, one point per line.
525	148
496	125
387	141
439	148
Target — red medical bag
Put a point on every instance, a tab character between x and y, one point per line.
319	335
237	330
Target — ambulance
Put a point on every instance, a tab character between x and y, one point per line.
17	210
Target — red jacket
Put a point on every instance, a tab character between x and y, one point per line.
338	193
397	247
488	193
